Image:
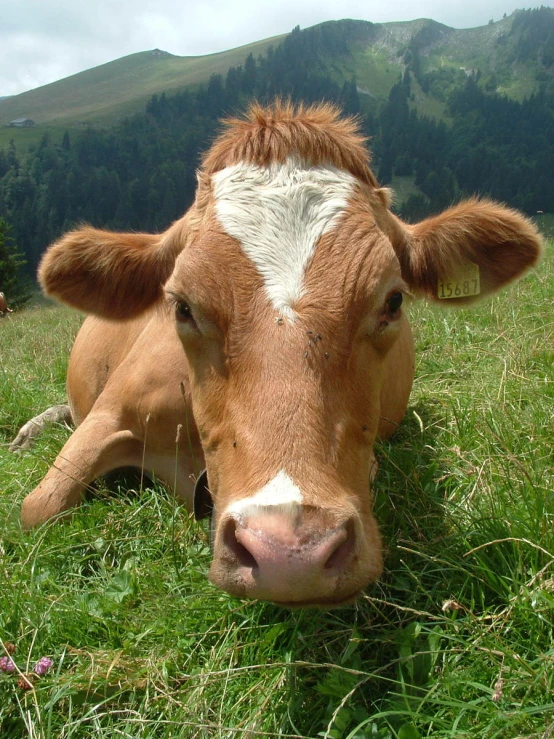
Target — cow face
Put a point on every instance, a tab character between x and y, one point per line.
285	283
288	302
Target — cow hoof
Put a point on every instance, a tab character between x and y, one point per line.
33	428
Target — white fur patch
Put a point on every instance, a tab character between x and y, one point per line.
280	492
278	214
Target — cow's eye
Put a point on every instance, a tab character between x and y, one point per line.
394	301
182	311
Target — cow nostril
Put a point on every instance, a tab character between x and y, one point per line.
242	555
339	557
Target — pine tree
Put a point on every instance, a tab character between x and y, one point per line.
17	291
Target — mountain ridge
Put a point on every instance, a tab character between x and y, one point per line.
376	54
106	92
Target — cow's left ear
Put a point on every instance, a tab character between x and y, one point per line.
467	252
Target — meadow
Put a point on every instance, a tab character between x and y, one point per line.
455	641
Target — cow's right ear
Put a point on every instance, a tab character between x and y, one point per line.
113	275
466	253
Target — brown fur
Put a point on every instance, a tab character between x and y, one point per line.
316	133
259	394
4	309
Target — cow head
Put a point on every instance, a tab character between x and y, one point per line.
285	282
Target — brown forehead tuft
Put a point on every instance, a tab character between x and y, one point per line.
316	133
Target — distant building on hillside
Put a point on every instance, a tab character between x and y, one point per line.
22	123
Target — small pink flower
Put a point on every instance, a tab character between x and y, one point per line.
7	665
43	665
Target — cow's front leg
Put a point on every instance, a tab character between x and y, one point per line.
99	445
29	431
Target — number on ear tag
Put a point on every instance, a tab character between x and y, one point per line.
464	285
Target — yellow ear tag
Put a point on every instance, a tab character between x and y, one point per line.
464	285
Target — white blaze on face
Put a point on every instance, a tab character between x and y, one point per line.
278	213
281	493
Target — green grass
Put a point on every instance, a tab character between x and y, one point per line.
375	72
23	138
545	224
455	641
426	105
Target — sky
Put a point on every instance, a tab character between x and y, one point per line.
42	41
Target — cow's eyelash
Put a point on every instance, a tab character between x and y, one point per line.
173	299
180	307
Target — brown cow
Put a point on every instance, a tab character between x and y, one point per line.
4	309
271	314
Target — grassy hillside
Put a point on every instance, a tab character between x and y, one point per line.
377	54
23	138
455	642
107	92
